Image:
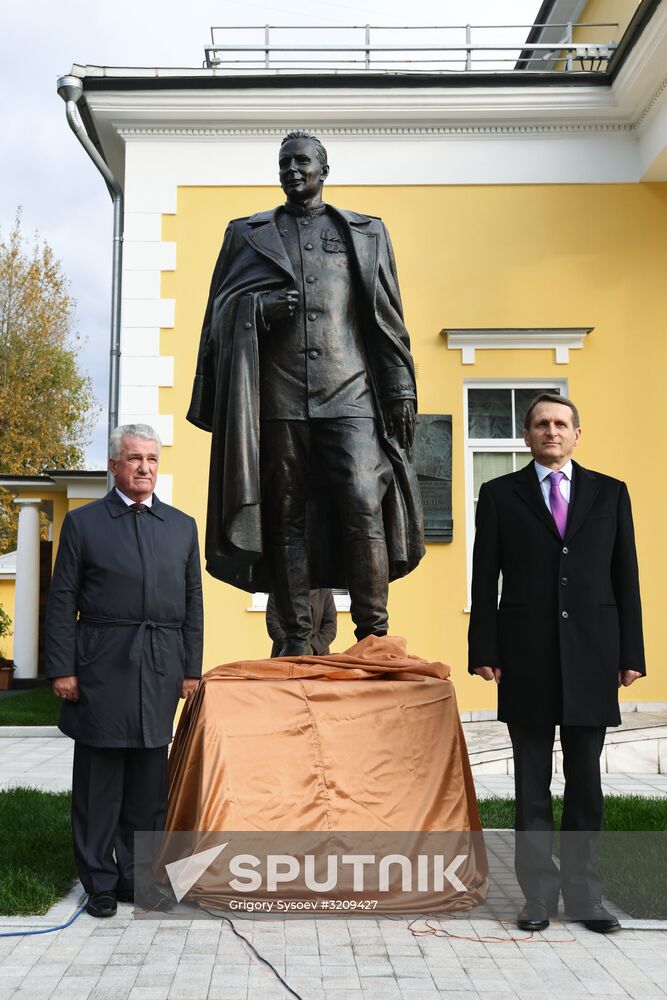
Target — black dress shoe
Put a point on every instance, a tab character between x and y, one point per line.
125	895
534	914
101	904
596	918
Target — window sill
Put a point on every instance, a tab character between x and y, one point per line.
342	602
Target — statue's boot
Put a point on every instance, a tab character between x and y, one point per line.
367	571
290	578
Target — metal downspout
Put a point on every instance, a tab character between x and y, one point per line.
70	89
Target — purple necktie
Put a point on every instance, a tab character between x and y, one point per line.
558	503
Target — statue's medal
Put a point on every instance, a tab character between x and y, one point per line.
332	242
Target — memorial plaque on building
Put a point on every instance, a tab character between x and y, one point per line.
433	462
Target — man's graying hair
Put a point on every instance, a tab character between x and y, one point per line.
143	431
299	133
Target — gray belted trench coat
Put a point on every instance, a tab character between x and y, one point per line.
125	615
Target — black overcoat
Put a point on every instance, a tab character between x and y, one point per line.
569	616
226	401
125	615
324	618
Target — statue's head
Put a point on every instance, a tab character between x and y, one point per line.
302	166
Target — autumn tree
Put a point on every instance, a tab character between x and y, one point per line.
47	406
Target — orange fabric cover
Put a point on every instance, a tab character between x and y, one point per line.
369	739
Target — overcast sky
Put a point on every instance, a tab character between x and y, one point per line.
44	169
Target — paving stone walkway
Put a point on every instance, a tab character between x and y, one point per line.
124	958
127	959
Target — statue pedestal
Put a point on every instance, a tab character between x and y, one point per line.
369	740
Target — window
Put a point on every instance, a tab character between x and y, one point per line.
341	600
494	412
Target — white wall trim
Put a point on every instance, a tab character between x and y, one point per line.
259	600
406	131
84	489
8	566
650	104
560	340
144	370
164	487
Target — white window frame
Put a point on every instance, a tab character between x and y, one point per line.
258	603
502	445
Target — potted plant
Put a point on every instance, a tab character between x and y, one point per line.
6	666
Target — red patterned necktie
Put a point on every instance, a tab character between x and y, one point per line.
138	507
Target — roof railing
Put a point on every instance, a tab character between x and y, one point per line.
440	49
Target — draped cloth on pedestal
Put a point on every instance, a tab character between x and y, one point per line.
366	740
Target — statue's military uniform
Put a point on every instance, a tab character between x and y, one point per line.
309	488
317	415
313	366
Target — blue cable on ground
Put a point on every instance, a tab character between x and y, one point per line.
45	930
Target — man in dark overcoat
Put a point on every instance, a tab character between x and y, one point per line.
124	641
323	615
306	381
566	633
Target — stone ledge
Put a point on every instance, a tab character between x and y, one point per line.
45	732
631	752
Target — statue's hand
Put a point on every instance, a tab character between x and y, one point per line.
279	305
399	418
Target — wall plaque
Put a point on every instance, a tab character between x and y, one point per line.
433	462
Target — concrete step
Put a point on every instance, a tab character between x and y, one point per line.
637	746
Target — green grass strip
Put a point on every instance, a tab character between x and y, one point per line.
38	707
622	813
37	866
633	868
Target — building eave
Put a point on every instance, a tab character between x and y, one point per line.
74	483
121	104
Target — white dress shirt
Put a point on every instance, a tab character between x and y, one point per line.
148	502
545	483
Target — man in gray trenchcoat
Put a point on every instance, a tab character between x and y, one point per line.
124	642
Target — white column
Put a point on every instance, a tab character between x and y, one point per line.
26	603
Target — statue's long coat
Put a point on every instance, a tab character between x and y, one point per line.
225	401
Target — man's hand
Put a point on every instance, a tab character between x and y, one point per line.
399	418
279	305
489	673
190	685
628	677
66	688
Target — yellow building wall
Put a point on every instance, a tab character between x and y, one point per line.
7	589
516	256
615	12
61	505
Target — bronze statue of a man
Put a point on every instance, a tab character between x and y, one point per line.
306	381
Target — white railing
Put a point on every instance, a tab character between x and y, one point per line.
468	48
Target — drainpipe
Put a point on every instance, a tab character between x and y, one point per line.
70	89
